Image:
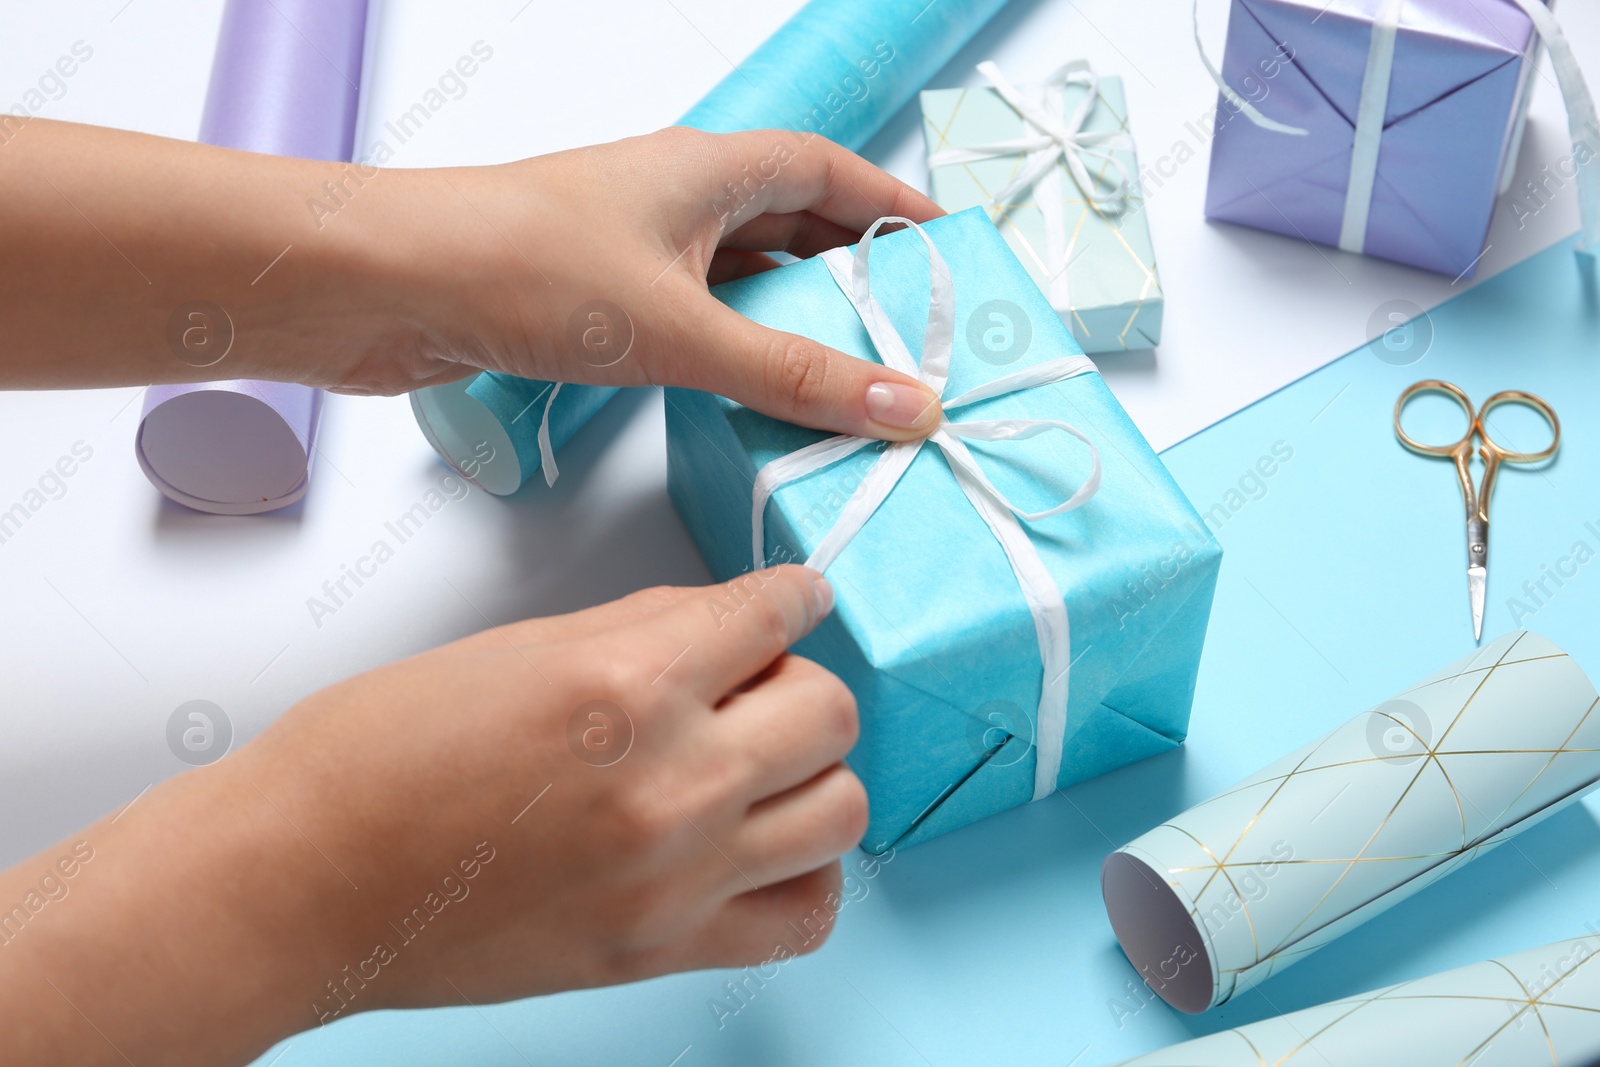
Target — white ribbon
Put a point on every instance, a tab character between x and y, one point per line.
547	455
1039	589
1582	124
1054	137
1240	104
1369	127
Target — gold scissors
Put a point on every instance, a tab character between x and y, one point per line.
1492	455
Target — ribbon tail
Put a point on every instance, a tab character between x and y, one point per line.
1238	102
874	489
977	153
547	454
1045	604
1046	373
779	472
1582	123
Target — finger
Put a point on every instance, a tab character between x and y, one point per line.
730	263
729	633
772	924
632	608
782	171
799	233
803	828
796	720
799	380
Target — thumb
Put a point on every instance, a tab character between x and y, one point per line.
799	380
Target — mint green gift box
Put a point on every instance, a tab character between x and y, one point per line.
930	629
1113	290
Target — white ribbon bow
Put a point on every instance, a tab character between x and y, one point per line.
1058	137
1039	589
1583	125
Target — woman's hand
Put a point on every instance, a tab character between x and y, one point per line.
592	266
648	786
583	266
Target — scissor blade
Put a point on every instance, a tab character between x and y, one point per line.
1477	580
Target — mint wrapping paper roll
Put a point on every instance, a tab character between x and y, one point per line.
840	69
284	81
1241	886
1536	1007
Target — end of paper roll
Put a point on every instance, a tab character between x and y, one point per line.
229	448
468	436
1157	933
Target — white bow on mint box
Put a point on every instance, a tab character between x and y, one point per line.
1073	162
1057	137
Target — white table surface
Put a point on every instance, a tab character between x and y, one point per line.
121	606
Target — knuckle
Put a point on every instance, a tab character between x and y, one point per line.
830	698
681	137
770	618
844	717
642	822
656	597
625	679
818	924
854	808
799	371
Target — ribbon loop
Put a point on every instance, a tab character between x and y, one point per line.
1039	590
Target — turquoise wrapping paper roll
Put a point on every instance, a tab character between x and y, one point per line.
840	69
488	426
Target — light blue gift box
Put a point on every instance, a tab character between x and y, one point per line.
930	629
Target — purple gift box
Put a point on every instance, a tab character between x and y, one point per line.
1445	148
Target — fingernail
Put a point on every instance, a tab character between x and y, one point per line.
905	407
822	597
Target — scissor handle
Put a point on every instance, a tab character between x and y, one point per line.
1517	396
1462	446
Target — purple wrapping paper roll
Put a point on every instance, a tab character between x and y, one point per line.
284	81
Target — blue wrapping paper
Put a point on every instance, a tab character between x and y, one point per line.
1457	98
838	68
930	629
841	68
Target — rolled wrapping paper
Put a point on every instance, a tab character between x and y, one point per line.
284	82
1536	1007
841	68
838	68
1241	886
488	426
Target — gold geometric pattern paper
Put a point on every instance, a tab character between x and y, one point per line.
1536	1007
1236	888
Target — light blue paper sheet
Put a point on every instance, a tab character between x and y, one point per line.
1345	580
